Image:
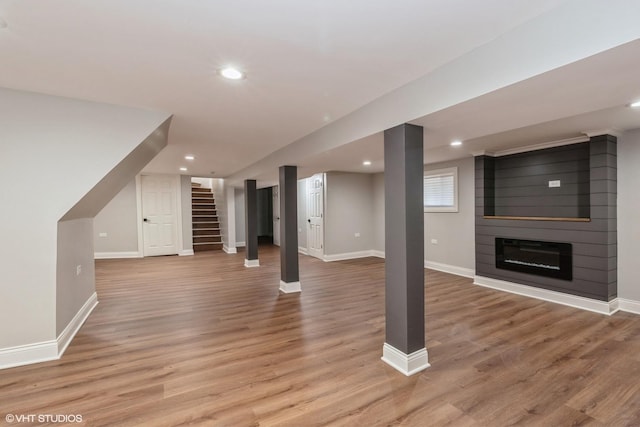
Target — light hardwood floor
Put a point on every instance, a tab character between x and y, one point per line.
203	340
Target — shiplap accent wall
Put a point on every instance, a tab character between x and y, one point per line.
517	185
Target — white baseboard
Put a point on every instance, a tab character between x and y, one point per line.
589	304
117	255
185	252
252	262
64	339
378	254
347	255
229	250
47	350
241	244
28	354
451	269
628	305
291	287
302	250
408	364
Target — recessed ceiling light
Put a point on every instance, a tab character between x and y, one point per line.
367	163
183	169
189	157
456	143
635	104
231	73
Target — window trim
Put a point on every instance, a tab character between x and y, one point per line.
453	171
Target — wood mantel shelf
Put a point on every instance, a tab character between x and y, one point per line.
539	218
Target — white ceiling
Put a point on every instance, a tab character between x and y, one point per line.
308	64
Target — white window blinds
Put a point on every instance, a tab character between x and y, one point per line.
440	191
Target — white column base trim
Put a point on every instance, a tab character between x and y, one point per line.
451	269
47	350
602	307
628	305
252	262
64	339
302	250
291	287
117	255
408	364
186	252
229	250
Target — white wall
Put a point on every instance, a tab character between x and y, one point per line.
629	216
378	212
186	217
347	211
74	146
119	219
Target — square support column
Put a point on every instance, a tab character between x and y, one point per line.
251	223
404	347
289	272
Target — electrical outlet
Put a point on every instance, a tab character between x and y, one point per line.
357	234
434	241
102	234
78	270
554	183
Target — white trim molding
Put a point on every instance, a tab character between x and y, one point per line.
541	146
28	354
628	305
186	252
602	307
408	364
229	249
65	337
47	350
117	255
251	262
290	287
302	250
451	269
347	255
377	254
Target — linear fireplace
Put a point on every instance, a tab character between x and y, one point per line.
551	259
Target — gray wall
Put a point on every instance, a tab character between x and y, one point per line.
378	212
75	248
348	210
119	220
454	231
240	221
185	207
594	242
302	213
628	216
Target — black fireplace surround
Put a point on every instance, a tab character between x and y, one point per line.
551	259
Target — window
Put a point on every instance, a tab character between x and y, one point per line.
441	190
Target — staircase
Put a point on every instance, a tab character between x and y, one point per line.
206	228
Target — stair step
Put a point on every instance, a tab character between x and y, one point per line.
201	240
209	224
196	185
195	190
207	247
206	232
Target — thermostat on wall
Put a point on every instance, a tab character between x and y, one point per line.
555	183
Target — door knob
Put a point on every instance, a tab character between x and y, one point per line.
145	220
309	220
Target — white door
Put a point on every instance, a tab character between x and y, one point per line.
315	214
160	221
276	215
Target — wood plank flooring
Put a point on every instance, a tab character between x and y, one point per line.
203	340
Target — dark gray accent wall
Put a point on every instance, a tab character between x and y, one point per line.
251	219
404	238
591	191
289	224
